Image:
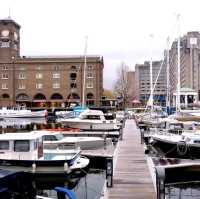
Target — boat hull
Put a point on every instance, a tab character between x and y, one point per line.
177	149
91	126
41	167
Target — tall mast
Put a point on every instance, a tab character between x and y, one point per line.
168	87
151	78
178	68
84	72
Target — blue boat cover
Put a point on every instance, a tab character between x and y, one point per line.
66	191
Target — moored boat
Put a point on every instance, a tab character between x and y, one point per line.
24	152
56	140
21	112
91	120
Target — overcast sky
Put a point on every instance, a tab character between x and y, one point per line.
119	30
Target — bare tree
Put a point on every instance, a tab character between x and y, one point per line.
121	84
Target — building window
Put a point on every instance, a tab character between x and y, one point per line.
22	86
56	68
89	84
56	75
73	85
5	44
4	76
39	86
15	46
4	86
38	75
4	67
22	68
38	68
73	76
22	76
89	75
90	67
73	67
56	85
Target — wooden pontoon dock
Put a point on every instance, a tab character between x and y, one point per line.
131	179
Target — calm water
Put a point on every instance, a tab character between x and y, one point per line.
183	191
86	187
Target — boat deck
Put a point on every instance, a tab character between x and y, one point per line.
131	179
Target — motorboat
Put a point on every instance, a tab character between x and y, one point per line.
184	145
56	140
90	120
25	152
21	122
21	112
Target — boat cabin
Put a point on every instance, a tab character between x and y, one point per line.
21	146
92	115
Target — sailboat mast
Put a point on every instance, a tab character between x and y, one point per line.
178	68
84	72
151	78
168	87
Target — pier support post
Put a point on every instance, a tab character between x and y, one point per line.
120	133
109	171
160	182
142	136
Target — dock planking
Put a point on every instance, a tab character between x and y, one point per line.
131	179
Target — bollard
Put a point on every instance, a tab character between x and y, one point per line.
109	171
160	182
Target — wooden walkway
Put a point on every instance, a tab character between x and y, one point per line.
131	179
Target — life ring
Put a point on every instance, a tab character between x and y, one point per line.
182	148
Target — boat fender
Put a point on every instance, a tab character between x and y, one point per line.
69	193
66	167
34	167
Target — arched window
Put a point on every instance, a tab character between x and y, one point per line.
22	97
5	96
90	99
73	96
90	96
39	96
56	96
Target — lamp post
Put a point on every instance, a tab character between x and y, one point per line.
13	79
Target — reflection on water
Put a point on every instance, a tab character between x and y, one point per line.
88	186
183	191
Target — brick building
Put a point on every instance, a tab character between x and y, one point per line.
45	81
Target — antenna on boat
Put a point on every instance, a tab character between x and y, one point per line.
178	108
84	71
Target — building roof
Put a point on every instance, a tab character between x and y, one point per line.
9	20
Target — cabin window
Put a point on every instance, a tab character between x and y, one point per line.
4	145
50	138
92	117
21	146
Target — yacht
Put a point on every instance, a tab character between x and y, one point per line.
25	152
184	145
56	140
21	112
91	120
21	122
